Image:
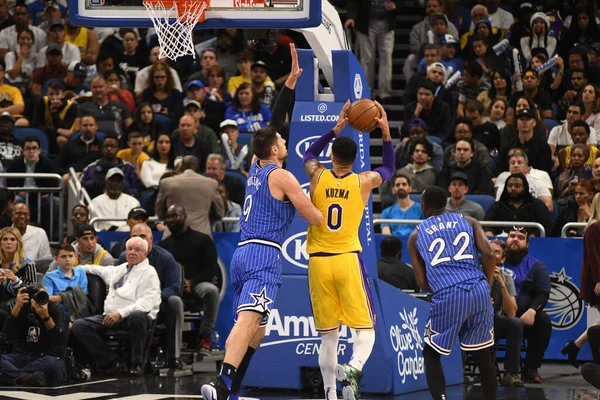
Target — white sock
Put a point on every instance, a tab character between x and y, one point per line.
328	361
361	350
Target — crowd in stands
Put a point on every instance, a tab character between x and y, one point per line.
501	101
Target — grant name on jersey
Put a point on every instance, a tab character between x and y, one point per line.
441	226
337	193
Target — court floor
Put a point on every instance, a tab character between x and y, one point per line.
561	382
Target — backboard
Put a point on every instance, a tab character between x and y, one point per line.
243	14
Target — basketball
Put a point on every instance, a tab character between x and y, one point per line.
361	115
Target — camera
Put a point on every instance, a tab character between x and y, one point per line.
40	296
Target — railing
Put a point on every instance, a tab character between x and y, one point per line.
153	219
51	192
563	232
494	224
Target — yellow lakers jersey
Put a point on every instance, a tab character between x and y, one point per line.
342	206
80	40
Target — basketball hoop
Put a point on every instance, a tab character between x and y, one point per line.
174	22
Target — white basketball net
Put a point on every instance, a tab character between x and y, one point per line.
175	31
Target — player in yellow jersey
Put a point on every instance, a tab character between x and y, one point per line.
339	290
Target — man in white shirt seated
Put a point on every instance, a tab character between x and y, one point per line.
539	181
132	302
35	239
113	203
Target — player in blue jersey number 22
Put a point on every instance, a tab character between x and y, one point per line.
443	250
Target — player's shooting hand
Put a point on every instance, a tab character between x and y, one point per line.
597	289
383	123
342	119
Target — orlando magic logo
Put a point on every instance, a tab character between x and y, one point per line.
564	307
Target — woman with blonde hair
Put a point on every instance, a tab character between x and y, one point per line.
17	270
590	275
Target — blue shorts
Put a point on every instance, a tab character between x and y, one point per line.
256	276
465	311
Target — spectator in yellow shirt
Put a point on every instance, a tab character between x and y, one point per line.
11	99
134	154
244	63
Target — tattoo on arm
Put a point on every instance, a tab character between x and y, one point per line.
311	167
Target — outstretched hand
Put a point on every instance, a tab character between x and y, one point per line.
383	123
296	71
342	119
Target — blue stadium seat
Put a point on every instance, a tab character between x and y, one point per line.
483	200
22	133
415	197
76	135
165	121
435	139
550	123
245	138
236	174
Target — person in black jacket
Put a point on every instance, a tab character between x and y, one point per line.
532	283
39	336
392	269
33	161
201	269
433	111
517	204
80	152
480	177
378	19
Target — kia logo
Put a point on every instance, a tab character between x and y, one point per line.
324	157
294	250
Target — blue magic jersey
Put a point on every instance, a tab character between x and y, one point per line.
447	245
264	217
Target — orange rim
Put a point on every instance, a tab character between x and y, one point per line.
182	6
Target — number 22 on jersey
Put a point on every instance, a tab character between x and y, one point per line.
439	245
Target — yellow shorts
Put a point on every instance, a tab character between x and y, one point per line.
339	292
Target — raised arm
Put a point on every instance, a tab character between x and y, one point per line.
283	182
312	166
373	179
284	100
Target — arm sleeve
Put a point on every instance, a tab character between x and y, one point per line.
318	145
281	107
388	160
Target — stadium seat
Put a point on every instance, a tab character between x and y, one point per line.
245	138
22	133
483	200
550	123
236	174
43	264
435	139
415	197
76	135
165	121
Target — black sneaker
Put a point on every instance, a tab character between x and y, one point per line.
37	379
511	380
215	390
